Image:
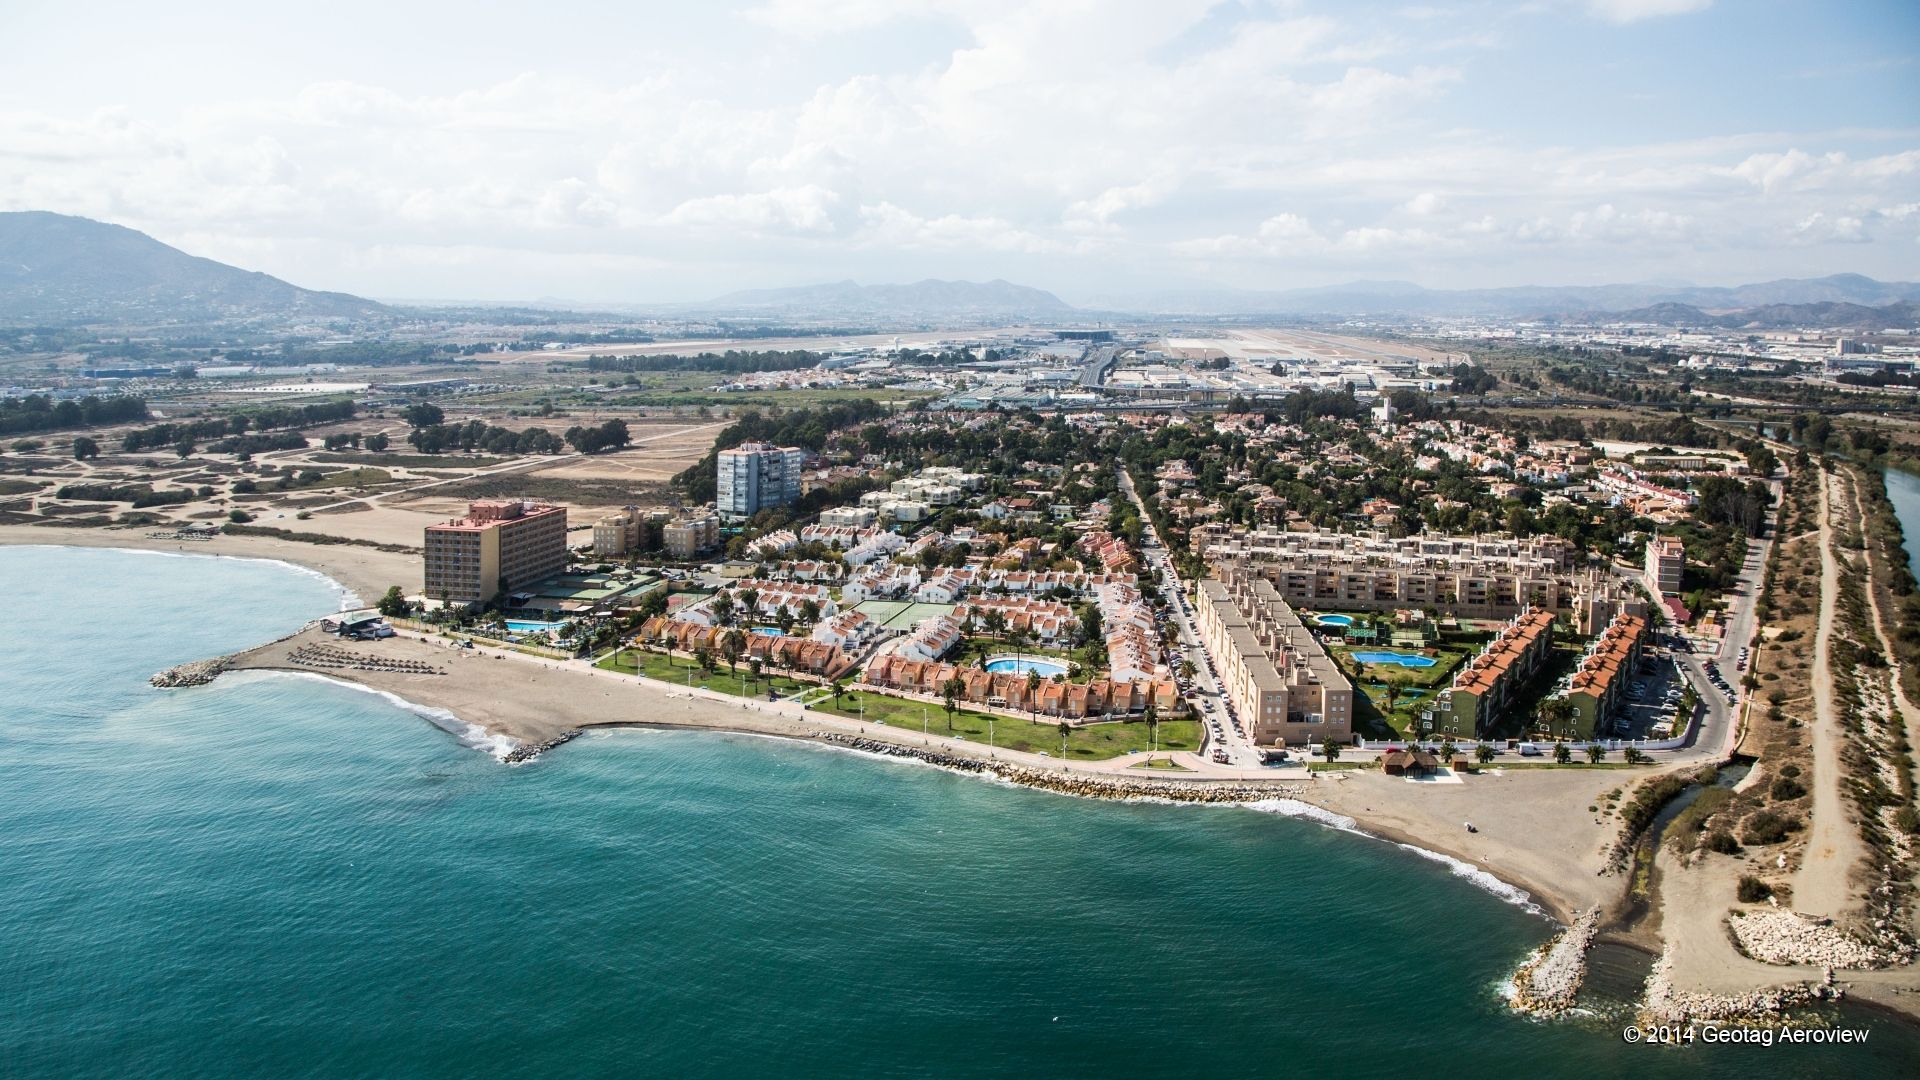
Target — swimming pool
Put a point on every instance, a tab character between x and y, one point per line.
1010	665
521	626
769	631
1381	656
1334	620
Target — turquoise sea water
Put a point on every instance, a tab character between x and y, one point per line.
281	876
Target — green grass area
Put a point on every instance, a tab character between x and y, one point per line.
1381	708
1321	765
355	478
678	670
1092	743
1157	764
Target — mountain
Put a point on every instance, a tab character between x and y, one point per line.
1771	316
56	267
1405	298
930	297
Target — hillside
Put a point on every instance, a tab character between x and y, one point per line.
56	267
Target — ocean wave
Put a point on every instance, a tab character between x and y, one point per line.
469	734
1294	808
1514	895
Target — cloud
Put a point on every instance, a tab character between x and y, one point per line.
1629	11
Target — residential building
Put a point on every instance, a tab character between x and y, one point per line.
620	534
1666	565
689	537
1599	685
1283	686
499	546
755	476
1483	691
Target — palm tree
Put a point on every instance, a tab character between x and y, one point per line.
755	666
1065	728
1596	753
1634	756
1448	751
1033	691
1484	754
950	692
731	646
1187	669
1562	753
1153	727
704	658
839	688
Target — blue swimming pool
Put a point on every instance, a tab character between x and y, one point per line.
1020	665
1334	620
1381	656
769	631
522	626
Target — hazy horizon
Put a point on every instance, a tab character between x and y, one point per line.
603	155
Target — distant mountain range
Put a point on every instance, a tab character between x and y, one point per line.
936	298
1843	291
56	267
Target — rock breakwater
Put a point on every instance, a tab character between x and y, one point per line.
1666	1004
1548	982
196	673
1080	785
1788	937
529	751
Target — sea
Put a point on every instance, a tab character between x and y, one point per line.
284	876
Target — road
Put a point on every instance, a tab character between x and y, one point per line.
1207	697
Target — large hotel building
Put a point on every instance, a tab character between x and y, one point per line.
1283	685
499	546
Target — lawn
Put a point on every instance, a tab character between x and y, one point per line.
1092	743
1414	687
675	670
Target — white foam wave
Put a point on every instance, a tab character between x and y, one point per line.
1514	895
469	734
1294	808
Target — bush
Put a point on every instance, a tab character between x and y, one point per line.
239	517
1787	789
1789	771
1722	842
1907	820
1770	827
1753	890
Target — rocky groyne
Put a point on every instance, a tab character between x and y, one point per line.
1548	982
1666	1004
529	751
196	673
1080	785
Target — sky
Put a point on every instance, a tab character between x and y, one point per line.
636	152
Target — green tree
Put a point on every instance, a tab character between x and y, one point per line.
1330	750
378	441
1153	727
1065	730
85	449
1562	753
185	447
393	604
1448	751
1596	753
1484	753
732	644
950	692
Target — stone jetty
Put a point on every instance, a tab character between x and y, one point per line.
1080	785
1550	979
1789	937
528	751
197	673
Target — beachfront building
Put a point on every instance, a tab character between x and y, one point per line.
755	476
500	545
1464	576
1484	690
1093	700
1666	565
1599	685
1283	685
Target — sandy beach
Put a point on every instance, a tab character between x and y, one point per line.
365	571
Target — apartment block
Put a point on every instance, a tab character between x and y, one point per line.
1283	685
1666	565
689	537
1484	690
755	476
1599	686
499	546
1469	577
